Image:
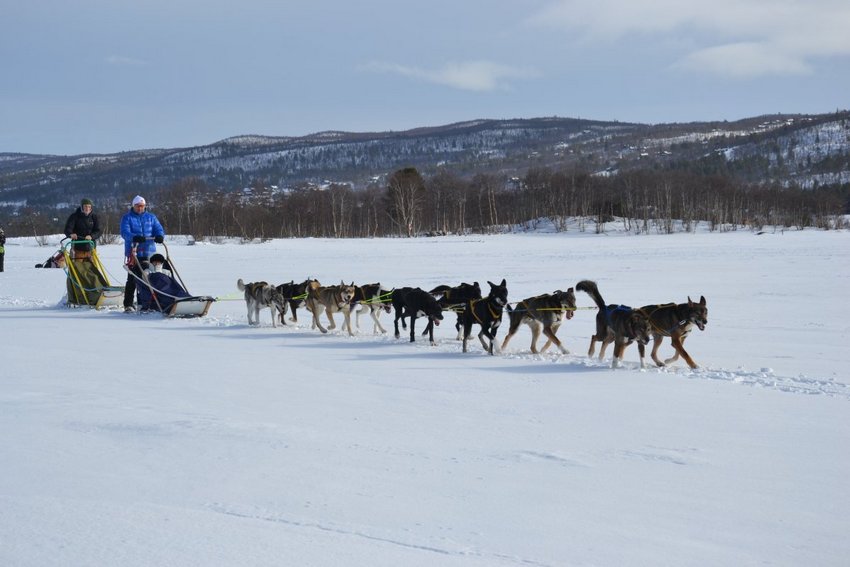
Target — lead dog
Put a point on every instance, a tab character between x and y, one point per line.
619	324
542	313
413	303
675	321
331	299
259	295
295	295
371	298
486	312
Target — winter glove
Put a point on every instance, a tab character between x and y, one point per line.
138	239
158	239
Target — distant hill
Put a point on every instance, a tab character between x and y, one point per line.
802	150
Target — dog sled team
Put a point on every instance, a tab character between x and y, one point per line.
154	283
544	314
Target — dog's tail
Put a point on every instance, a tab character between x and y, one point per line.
439	290
589	287
240	284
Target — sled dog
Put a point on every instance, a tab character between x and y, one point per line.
542	313
295	295
675	321
455	299
331	299
413	303
619	324
372	299
259	295
486	312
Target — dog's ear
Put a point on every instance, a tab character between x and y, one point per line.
690	303
702	300
504	283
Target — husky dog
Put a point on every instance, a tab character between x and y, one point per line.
455	299
619	324
295	295
413	303
372	298
542	313
486	312
675	321
259	295
331	299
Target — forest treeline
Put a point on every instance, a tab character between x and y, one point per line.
409	204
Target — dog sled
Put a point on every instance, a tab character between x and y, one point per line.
165	291
56	260
87	282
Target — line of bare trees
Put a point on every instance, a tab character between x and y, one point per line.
411	205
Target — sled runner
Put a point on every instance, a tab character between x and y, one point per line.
165	291
87	282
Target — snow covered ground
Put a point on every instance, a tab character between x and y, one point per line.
134	440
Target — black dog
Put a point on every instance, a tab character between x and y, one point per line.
486	312
294	294
455	299
413	303
619	324
371	298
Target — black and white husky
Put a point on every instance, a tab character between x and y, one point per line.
259	295
372	298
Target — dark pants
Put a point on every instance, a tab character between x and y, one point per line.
130	287
2	255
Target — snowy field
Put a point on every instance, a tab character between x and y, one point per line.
134	440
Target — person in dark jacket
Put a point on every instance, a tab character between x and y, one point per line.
139	229
2	248
83	224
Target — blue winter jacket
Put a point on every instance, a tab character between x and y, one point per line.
145	224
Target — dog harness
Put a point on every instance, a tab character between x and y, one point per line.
609	311
493	313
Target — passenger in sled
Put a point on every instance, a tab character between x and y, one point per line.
163	290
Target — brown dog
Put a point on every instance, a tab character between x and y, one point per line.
619	324
331	299
675	321
542	313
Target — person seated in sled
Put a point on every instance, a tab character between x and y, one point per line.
158	264
164	289
83	224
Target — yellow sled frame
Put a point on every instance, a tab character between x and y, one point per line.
109	295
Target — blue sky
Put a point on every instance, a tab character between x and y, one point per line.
106	76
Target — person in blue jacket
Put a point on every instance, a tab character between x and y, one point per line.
141	229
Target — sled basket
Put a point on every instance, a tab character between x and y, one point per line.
190	307
87	282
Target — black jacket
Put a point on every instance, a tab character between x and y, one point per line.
83	225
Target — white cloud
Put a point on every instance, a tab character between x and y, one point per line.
744	60
732	37
469	75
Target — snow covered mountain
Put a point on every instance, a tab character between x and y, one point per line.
808	151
